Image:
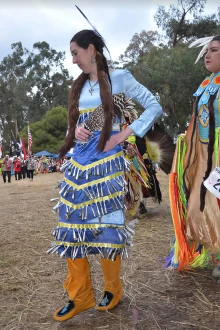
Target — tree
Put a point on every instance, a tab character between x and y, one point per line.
49	133
31	83
52	80
169	72
172	77
15	89
176	25
139	45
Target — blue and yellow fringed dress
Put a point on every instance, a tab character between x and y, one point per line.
91	206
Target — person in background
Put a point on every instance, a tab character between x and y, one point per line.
195	202
8	163
30	162
23	168
45	164
17	168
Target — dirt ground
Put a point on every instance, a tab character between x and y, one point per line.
31	281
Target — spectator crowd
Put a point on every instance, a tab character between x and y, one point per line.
22	168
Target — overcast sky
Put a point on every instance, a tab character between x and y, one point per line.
56	21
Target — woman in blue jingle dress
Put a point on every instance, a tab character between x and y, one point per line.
91	207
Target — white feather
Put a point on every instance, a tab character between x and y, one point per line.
202	52
201	41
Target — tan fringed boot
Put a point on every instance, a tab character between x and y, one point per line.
79	287
112	288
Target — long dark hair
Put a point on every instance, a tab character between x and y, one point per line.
83	39
210	147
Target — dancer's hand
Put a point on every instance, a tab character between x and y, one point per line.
82	134
117	139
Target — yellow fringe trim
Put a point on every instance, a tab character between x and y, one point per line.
86	110
91	201
114	246
94	225
101	161
88	184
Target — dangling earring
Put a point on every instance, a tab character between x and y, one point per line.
93	60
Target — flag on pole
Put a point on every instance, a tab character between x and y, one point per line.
19	147
23	149
12	147
29	141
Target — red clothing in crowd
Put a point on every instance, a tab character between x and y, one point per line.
17	165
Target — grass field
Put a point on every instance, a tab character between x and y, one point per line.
31	281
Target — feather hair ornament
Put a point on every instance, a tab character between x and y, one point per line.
199	43
97	33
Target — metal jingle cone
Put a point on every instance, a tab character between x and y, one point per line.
106	168
101	190
93	192
62	190
93	212
64	252
99	214
111	169
86	213
74	235
101	208
116	165
84	235
64	235
98	172
109	191
54	199
97	189
55	208
120	165
113	187
77	173
89	194
119	235
105	209
79	235
66	191
53	249
89	172
121	254
129	230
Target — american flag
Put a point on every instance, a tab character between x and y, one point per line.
29	141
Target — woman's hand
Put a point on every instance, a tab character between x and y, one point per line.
117	139
82	134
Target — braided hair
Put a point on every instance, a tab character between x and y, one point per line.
83	39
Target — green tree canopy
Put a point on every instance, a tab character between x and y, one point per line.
49	133
168	71
172	76
31	83
176	25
